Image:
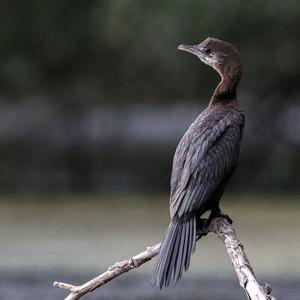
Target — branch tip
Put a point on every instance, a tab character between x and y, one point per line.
221	227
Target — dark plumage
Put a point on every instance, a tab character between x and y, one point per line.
203	162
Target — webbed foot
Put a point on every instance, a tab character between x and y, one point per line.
217	213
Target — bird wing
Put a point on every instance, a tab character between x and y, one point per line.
203	159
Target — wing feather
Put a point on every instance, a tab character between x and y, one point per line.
205	156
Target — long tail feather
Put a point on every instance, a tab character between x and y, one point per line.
175	252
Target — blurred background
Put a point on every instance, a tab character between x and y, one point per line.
95	96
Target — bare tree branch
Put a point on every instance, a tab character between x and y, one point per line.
224	231
240	262
113	271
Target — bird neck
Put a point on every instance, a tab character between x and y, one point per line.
226	89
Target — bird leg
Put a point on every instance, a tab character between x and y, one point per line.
203	224
202	228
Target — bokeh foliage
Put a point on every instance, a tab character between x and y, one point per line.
78	56
113	49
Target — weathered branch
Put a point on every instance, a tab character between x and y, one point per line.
224	231
113	271
240	262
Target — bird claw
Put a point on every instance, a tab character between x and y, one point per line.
219	214
230	221
203	224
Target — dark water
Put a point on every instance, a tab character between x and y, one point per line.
38	286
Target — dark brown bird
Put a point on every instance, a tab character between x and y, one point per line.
203	162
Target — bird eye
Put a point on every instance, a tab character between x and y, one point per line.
207	50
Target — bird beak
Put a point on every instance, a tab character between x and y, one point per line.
199	51
194	49
189	48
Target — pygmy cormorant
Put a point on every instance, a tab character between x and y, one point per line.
203	162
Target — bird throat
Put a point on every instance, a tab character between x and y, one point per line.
226	89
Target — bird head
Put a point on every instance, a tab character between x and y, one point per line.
220	55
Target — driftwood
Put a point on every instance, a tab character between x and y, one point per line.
219	226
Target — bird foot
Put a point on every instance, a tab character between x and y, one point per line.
219	214
203	224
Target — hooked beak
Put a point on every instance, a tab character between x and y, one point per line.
189	48
199	51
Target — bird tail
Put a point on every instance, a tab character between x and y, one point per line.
175	252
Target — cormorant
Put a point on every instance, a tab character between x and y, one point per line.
203	162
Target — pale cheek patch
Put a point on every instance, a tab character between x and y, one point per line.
208	60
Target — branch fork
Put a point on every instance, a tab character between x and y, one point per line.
221	227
